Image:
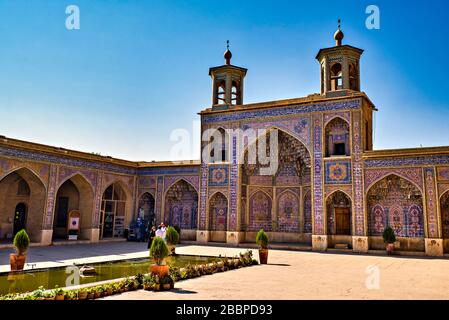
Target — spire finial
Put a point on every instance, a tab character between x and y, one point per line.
338	35
227	54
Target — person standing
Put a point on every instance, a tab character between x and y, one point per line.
159	232
151	236
164	230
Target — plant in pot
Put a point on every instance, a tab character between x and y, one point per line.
21	243
172	237
262	241
58	293
38	294
389	239
148	282
139	280
166	282
159	251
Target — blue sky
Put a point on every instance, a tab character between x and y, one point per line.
137	70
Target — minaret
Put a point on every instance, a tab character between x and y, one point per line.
339	67
227	83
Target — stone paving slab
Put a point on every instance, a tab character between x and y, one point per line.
309	275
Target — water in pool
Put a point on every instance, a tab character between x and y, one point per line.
50	278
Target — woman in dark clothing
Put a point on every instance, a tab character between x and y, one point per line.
151	236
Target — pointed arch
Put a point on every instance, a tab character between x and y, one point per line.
116	210
386	174
22	185
74	193
337	137
444	213
288	211
339	213
218	212
260	215
307	205
146	208
181	205
397	202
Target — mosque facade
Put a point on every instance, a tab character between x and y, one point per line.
320	183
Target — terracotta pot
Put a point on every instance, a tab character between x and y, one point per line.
17	262
90	296
59	296
263	256
82	295
167	286
97	295
157	287
161	271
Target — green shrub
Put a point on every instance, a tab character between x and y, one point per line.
388	235
172	236
159	250
262	239
21	241
178	229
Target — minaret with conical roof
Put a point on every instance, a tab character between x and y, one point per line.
340	67
227	83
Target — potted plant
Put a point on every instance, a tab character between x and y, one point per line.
58	293
91	293
172	238
389	239
21	243
262	241
166	282
157	283
159	251
139	280
148	282
82	294
49	295
38	294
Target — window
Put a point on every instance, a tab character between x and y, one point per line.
336	77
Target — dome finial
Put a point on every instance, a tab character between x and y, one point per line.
227	54
338	35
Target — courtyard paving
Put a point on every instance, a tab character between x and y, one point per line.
289	274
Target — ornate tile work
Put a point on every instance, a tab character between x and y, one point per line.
181	205
410	161
40	169
337	172
288	212
203	196
36	156
357	175
234	186
127	181
344	188
147	182
442	188
170	180
68	172
274	112
412	174
307	211
396	202
218	175
51	198
173	171
218	212
260	212
443	174
432	217
98	197
159	198
330	116
317	185
296	127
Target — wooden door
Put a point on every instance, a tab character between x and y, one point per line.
342	221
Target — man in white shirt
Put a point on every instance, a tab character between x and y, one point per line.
164	230
159	232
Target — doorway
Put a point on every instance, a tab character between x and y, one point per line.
342	221
19	218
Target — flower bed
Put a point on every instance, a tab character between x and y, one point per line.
139	281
